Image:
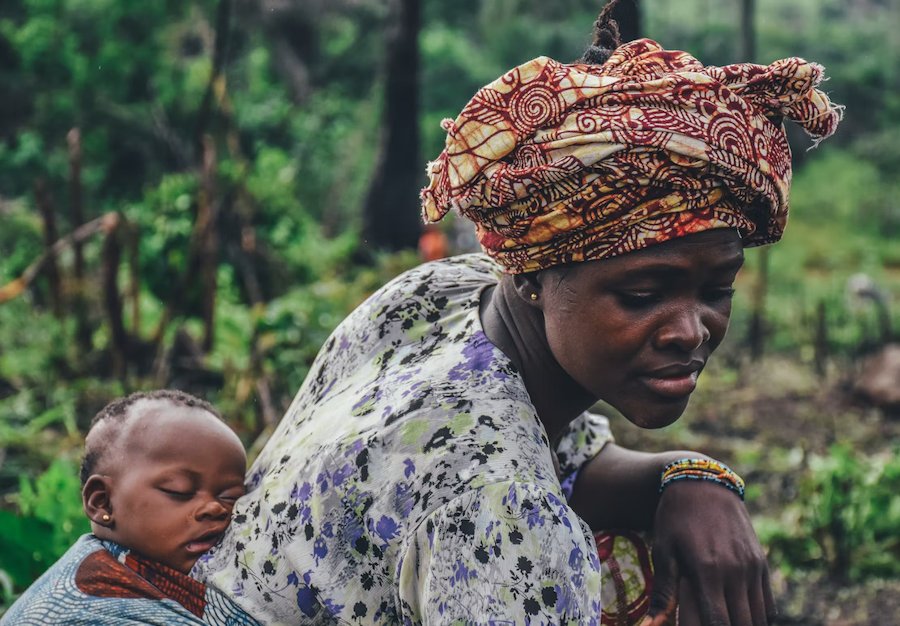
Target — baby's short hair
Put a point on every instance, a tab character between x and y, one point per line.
114	414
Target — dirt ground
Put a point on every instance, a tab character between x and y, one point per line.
764	419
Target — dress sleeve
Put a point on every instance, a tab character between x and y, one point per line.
505	553
580	442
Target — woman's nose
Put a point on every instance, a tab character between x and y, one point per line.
684	329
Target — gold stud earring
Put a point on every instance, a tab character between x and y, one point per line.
106	517
533	296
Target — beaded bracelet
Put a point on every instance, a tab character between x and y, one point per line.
702	469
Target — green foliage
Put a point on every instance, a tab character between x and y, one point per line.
840	224
165	221
20	240
31	353
289	330
853	193
48	520
845	517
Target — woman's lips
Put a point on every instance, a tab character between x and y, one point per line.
675	387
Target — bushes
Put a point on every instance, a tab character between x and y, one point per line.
48	520
844	519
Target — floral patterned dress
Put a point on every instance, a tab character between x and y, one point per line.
411	481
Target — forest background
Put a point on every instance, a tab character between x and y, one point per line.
193	193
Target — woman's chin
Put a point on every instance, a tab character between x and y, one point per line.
654	416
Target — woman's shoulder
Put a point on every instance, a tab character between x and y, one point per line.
463	276
419	313
475	267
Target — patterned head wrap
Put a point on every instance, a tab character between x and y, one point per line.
558	163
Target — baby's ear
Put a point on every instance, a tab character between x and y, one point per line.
95	498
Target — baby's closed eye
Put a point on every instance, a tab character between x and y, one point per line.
177	493
231	495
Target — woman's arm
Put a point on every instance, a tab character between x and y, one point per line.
704	546
619	488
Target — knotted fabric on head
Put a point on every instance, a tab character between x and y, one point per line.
559	163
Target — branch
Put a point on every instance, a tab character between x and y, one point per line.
216	77
44	205
105	223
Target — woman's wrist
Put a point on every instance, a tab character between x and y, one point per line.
701	468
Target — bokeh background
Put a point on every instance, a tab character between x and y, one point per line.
193	193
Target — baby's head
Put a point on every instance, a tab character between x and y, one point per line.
160	476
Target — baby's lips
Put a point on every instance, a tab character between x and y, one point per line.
204	542
197	547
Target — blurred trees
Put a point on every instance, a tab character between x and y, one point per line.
628	16
248	145
390	211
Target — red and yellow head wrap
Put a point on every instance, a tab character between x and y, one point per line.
559	163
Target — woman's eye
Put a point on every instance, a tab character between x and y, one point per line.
638	299
719	294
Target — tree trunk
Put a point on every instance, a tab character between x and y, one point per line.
758	326
391	211
628	15
82	327
208	241
820	341
45	208
112	300
748	31
220	53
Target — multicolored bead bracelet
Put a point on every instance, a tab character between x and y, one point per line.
702	469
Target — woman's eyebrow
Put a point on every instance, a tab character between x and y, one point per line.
654	271
733	264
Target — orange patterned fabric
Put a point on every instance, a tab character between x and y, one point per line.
102	575
559	163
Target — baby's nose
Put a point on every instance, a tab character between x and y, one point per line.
211	509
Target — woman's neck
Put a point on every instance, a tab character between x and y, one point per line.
518	330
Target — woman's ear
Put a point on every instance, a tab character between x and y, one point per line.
95	498
528	288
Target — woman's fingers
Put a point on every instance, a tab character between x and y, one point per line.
721	603
713	608
735	602
660	620
739	601
664	597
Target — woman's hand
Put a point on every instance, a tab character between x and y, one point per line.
708	560
706	555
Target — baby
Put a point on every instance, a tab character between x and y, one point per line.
160	477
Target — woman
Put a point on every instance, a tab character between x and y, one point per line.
437	465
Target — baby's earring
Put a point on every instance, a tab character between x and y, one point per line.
106	517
